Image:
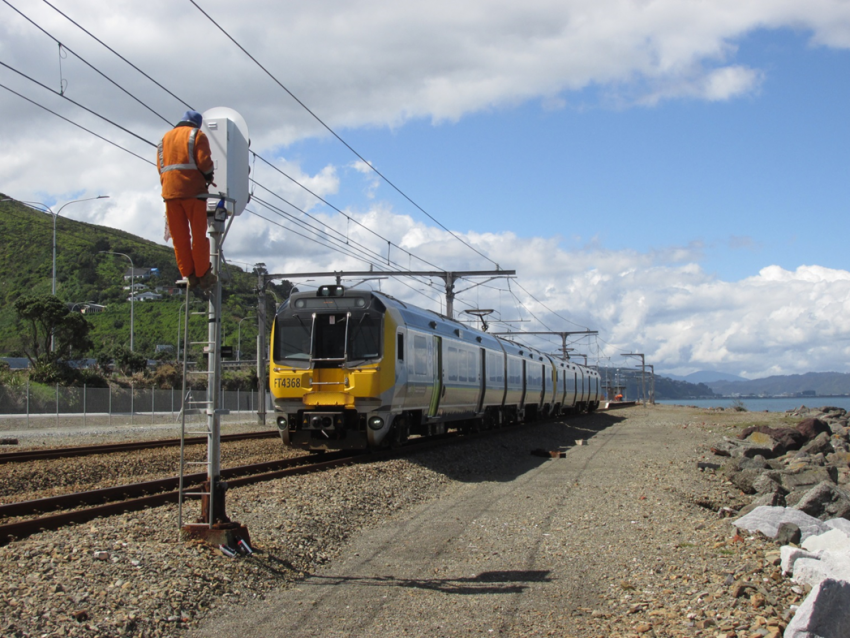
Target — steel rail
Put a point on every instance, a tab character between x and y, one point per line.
138	495
111	448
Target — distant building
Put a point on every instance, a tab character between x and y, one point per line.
16	363
145	296
92	309
140	273
808	393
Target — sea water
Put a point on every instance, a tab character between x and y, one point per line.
766	404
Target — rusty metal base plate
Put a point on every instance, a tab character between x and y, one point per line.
228	534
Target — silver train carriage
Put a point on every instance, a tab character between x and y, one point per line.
360	369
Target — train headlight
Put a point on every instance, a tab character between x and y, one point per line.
281	423
376	423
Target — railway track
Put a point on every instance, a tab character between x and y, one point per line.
82	507
111	448
85	506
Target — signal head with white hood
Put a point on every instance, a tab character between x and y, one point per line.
229	143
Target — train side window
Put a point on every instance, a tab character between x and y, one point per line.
420	355
452	363
462	365
400	347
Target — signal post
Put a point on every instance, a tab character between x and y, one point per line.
229	141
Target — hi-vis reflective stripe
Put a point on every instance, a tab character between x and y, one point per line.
179	167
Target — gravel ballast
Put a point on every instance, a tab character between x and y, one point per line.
624	536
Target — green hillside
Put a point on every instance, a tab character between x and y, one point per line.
85	275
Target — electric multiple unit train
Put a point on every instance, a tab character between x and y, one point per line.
360	369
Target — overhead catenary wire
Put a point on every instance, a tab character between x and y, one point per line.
344	248
75	103
113	51
107	120
34	103
348	217
327	203
185	103
341	140
132	133
378	266
84	61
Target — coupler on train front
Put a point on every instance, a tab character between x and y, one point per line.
327	430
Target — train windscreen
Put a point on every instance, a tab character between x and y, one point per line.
328	339
293	338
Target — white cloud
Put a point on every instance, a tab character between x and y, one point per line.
684	319
375	63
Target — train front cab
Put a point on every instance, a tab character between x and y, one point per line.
328	374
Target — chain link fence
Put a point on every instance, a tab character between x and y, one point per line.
38	405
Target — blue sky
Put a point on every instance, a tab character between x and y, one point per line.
672	174
762	179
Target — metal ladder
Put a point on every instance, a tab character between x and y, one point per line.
190	403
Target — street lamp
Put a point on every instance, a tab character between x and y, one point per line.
239	339
132	290
55	215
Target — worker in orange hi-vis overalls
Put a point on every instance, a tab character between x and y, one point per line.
186	170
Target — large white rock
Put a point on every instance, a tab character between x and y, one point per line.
839	523
834	540
824	614
767	519
790	555
812	570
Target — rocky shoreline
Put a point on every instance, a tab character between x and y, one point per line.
798	479
668	562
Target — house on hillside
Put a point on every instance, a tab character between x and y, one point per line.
145	296
140	273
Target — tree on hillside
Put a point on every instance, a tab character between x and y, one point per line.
43	316
128	362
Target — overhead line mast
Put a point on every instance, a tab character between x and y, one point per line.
448	276
564	350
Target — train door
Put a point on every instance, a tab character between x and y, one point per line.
400	370
482	379
524	385
438	377
544	383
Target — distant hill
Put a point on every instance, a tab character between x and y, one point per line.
706	376
822	383
83	274
665	387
